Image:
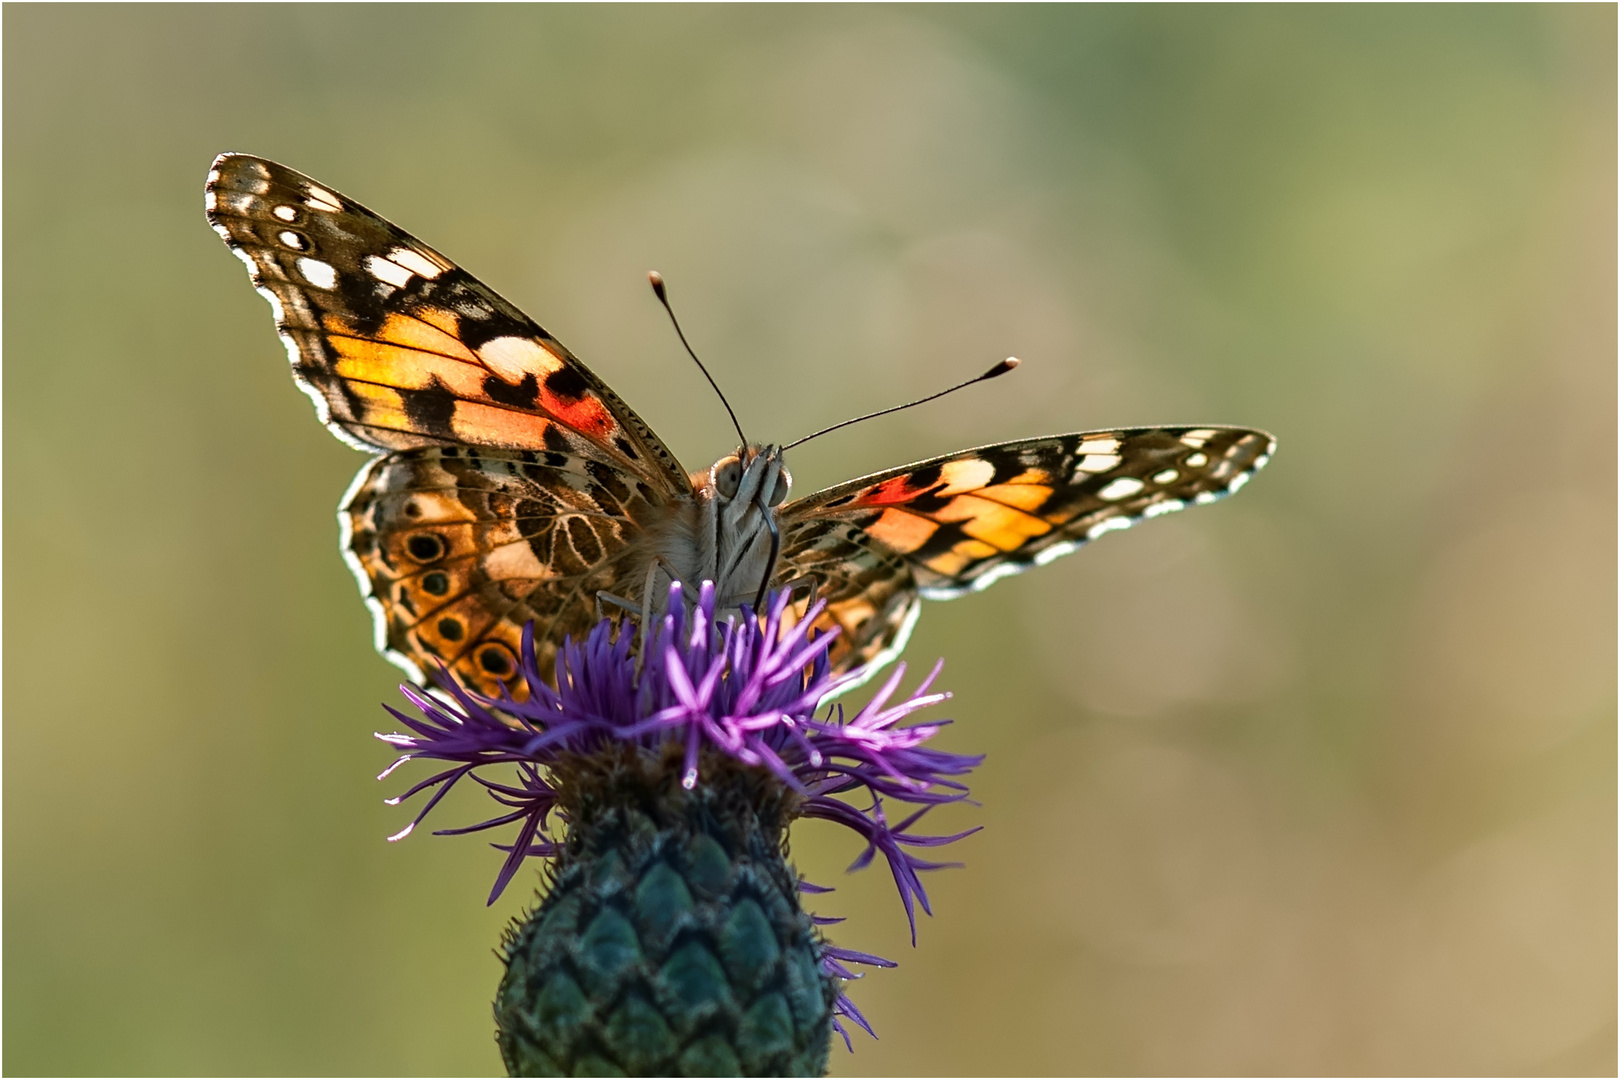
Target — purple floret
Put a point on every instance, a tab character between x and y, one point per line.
743	687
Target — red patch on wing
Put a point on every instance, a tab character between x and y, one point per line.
586	415
893	491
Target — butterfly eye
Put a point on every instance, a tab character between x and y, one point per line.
784	481
727	475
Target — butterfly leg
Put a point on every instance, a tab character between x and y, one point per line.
646	612
810	585
618	601
811	592
664	564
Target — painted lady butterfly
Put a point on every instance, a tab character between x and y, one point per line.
514	486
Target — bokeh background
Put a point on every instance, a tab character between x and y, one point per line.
1319	780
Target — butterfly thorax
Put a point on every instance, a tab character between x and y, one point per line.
724	534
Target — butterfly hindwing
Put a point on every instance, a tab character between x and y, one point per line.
870	591
962	521
457	548
399	347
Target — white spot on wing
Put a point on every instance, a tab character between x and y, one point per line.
285	213
1108	525
292	240
319	274
514	560
391	272
1167	476
965	475
1097	463
1197	439
1204	498
208	199
1098	446
1169	506
1055	551
253	267
1237	483
514	357
1122	488
321	199
275	308
416	262
275	301
1197	461
995	574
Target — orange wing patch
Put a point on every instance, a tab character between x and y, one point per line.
489	425
1005	527
981	518
427	329
1026	496
401	348
904	532
419	354
963	521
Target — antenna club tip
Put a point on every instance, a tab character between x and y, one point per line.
1002	368
656	280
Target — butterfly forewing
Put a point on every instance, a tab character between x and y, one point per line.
962	521
401	348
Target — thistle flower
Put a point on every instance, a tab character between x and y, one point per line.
660	787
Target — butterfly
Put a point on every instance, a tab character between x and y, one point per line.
512	486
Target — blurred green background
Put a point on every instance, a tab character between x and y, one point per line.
1319	780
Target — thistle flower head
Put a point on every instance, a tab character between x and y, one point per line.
701	691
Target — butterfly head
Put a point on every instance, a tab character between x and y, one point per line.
742	492
754	474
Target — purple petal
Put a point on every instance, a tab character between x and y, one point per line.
742	686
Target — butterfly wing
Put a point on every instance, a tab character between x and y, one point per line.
399	347
869	588
515	483
959	523
456	548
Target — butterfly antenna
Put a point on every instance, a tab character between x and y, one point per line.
657	281
1000	369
